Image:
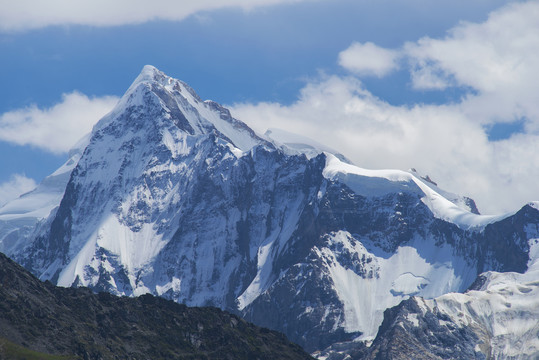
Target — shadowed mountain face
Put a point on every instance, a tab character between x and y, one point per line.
78	323
174	197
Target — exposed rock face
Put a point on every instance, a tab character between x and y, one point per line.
408	333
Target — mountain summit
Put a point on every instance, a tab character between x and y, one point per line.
173	196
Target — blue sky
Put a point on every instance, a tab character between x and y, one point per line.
402	84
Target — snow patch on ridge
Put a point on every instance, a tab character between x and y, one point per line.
448	211
380	182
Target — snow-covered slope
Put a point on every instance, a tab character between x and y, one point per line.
175	197
371	183
504	312
496	319
19	217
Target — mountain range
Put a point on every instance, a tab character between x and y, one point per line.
171	195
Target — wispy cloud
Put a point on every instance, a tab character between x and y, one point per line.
30	14
14	187
498	58
58	128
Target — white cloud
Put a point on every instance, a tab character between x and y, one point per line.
498	52
58	128
425	77
369	59
499	59
30	14
14	187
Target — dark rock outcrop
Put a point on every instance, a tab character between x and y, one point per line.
80	324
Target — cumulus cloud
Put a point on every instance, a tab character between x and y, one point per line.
369	59
498	58
30	14
58	128
14	187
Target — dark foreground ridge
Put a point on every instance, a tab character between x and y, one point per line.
38	318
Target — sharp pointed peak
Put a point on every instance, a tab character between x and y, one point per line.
149	68
150	73
154	90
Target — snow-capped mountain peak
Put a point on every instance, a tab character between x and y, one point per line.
173	100
175	197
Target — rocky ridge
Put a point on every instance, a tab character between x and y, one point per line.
76	323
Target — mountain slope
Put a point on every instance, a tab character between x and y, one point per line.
496	319
174	197
19	217
76	322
